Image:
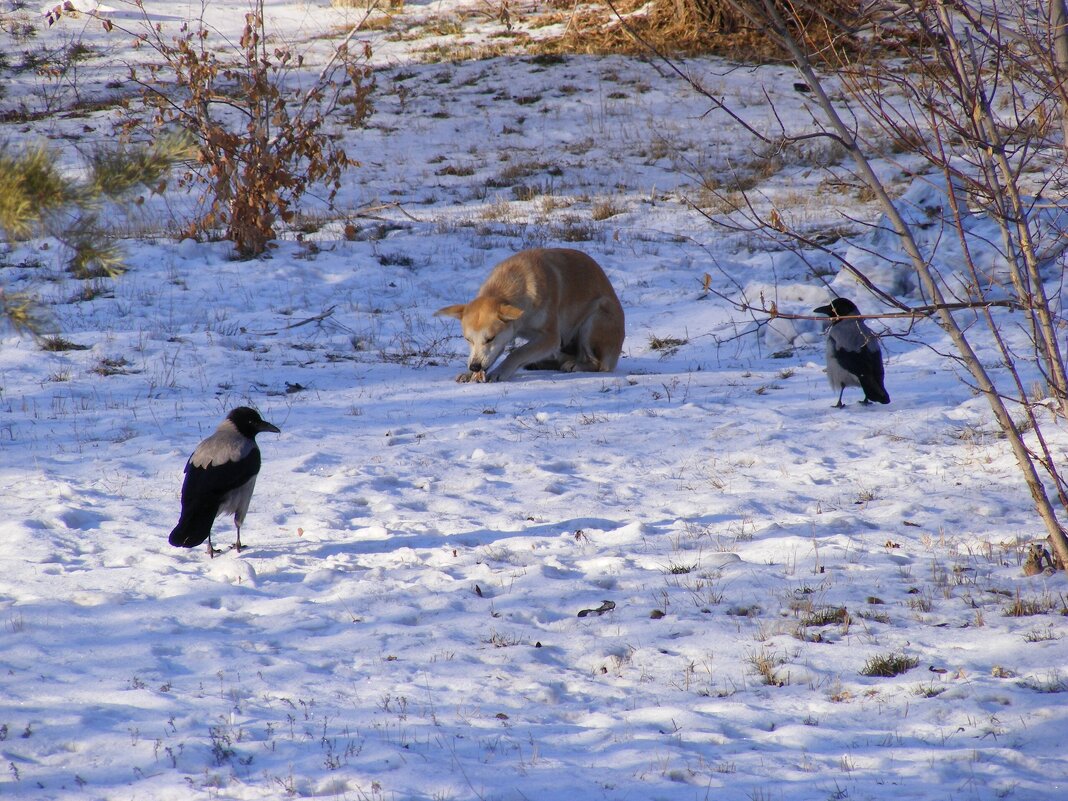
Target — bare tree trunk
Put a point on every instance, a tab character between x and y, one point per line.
999	176
1058	19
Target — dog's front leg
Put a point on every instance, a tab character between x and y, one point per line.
544	347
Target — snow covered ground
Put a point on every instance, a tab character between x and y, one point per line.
405	623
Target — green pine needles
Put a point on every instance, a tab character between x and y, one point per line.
38	199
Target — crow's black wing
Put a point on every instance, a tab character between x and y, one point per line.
867	365
203	492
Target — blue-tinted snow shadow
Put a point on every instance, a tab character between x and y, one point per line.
468	539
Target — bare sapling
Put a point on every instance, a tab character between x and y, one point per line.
260	123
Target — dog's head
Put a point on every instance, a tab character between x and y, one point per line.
488	326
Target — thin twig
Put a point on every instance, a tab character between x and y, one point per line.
913	313
318	318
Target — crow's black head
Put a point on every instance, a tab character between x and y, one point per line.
839	307
249	422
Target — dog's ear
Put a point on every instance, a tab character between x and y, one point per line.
456	311
508	312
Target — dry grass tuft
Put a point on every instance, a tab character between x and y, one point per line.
666	345
766	664
604	209
1027	607
691	28
58	344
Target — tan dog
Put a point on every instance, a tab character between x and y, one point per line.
558	300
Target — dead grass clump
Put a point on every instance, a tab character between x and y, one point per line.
572	230
514	173
684	27
604	209
930	690
1053	682
57	344
1028	607
116	365
666	346
460	170
378	18
875	617
444	26
827	616
498	640
766	664
448	50
677	569
814	618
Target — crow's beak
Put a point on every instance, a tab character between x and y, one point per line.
265	426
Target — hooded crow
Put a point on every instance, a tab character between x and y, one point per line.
854	358
220	477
